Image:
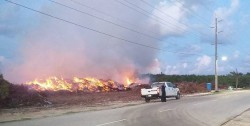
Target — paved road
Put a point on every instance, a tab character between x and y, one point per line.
208	110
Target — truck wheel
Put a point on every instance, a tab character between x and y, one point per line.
178	96
147	99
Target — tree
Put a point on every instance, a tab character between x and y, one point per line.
236	75
4	87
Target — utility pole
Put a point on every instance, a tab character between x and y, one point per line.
237	79
216	56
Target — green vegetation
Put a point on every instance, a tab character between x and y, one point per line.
4	88
226	80
18	95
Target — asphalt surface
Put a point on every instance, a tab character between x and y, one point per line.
210	110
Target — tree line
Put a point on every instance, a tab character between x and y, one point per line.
233	79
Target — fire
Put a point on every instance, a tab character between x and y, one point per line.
77	84
128	82
51	83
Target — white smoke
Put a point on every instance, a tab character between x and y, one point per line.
56	48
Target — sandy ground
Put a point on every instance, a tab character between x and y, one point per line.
241	120
42	112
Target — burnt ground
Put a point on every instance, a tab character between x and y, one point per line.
21	96
88	99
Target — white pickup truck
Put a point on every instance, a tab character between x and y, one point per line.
156	91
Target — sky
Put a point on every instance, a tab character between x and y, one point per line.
113	38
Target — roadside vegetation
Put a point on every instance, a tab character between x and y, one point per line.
18	95
224	80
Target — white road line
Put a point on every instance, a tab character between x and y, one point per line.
204	102
111	122
166	110
197	103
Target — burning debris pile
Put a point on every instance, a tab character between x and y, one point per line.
77	84
57	91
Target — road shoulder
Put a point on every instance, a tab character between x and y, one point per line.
9	115
240	120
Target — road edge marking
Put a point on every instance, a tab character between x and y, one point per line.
166	110
111	122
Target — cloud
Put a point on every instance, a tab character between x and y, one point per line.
227	25
203	61
159	67
155	67
15	21
172	17
225	13
162	67
179	68
236	54
245	19
171	70
185	65
201	3
2	58
202	65
7	26
246	61
189	50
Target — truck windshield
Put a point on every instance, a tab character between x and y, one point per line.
157	84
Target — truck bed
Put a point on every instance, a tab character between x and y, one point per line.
150	92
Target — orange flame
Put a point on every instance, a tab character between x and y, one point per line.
87	84
76	84
128	82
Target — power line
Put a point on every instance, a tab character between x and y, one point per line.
165	24
155	17
194	13
153	14
84	27
208	9
147	3
105	20
101	12
142	13
162	12
201	18
81	4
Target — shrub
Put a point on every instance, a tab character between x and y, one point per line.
4	88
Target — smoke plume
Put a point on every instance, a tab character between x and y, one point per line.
56	48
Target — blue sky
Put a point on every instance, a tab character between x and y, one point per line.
33	45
